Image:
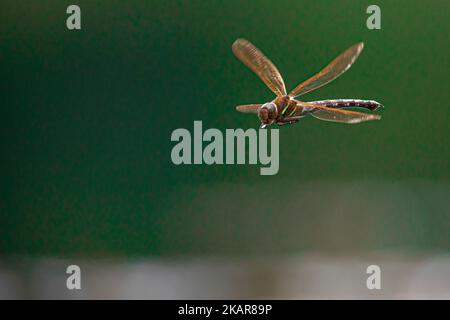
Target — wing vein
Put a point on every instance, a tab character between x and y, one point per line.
260	64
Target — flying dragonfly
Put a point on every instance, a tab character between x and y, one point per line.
285	109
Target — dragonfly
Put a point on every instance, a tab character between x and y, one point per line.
285	108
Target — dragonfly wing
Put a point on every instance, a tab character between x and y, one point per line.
260	64
338	115
249	108
344	117
333	70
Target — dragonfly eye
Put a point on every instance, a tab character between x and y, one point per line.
267	112
263	113
272	110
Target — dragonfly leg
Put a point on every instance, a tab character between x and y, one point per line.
287	121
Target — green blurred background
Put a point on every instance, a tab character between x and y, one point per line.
86	119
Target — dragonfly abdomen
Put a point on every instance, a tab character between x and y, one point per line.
349	103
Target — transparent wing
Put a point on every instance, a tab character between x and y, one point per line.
336	67
260	64
338	115
249	108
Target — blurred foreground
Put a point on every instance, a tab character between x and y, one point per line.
309	276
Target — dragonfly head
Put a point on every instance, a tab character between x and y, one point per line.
267	113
